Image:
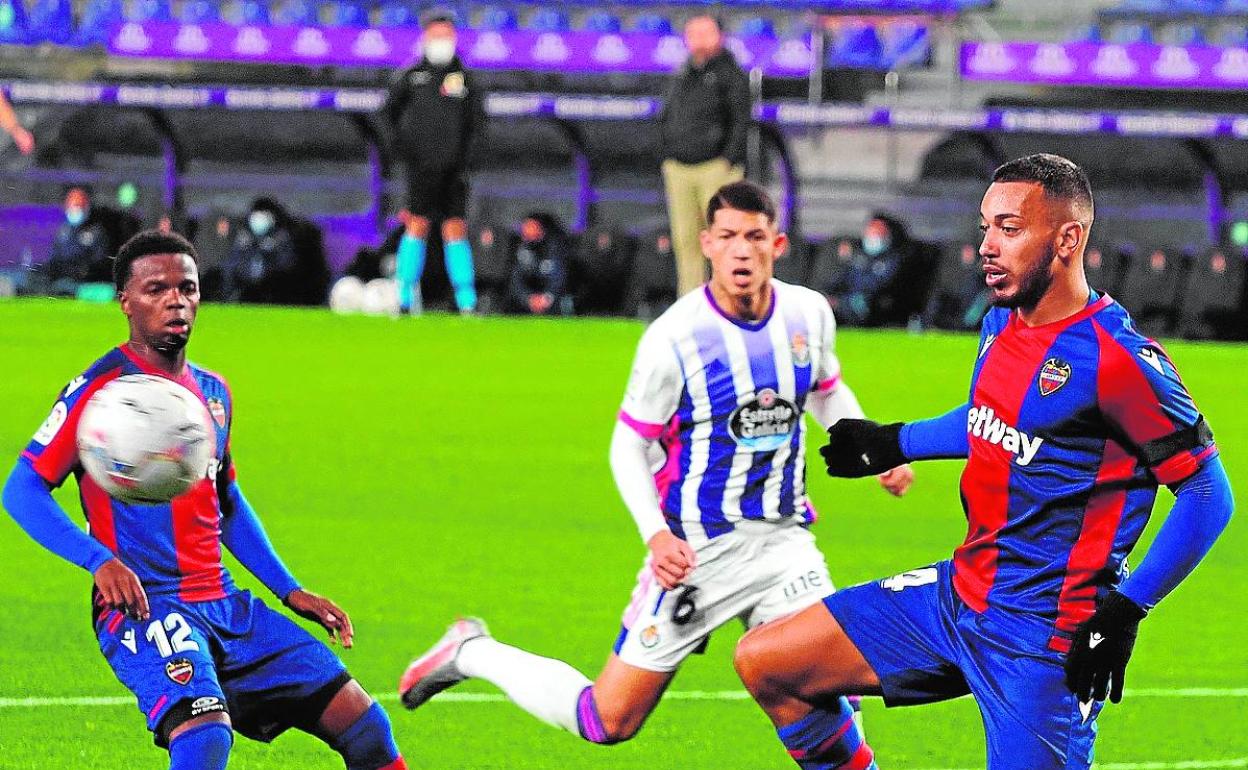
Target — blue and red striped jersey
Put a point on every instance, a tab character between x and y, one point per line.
174	547
1071	427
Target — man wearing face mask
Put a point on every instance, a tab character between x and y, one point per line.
435	109
83	244
263	263
866	295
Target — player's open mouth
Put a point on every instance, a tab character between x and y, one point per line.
994	276
177	324
742	276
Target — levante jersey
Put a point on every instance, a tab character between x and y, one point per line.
724	399
1071	427
174	547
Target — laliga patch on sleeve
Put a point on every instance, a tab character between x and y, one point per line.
52	425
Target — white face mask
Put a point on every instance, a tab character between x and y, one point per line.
261	222
439	51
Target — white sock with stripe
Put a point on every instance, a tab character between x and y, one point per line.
546	688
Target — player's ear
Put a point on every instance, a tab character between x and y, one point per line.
781	244
704	238
1070	237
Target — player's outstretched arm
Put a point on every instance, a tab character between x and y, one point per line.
858	448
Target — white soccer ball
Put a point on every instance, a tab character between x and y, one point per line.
347	295
145	439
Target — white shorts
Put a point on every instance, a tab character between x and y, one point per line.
760	571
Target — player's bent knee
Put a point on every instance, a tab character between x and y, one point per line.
751	660
190	714
201	745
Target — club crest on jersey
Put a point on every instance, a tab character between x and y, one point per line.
1053	375
217	408
764	423
649	637
180	670
801	350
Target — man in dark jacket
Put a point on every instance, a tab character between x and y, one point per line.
539	275
705	118
435	109
84	243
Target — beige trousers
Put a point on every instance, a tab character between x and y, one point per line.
689	188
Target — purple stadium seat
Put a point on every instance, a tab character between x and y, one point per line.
199	12
150	10
254	12
495	18
756	26
97	19
348	13
298	13
1127	32
52	21
856	46
14	25
602	22
546	19
652	24
398	14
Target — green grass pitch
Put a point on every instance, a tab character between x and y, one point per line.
418	469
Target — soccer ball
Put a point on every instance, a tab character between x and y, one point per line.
145	439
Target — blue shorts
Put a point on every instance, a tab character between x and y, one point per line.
925	645
232	654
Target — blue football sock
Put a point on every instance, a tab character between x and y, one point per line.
828	740
409	267
459	270
203	747
368	744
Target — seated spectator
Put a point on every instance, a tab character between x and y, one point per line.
539	273
275	258
84	244
869	292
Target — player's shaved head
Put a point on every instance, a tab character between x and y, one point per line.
1064	182
145	244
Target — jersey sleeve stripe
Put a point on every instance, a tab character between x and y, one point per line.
648	430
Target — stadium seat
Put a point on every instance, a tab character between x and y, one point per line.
1235	8
905	44
756	26
14	26
497	19
199	12
855	46
1128	32
348	13
654	275
602	22
97	20
398	14
298	13
150	10
1150	289
1181	34
794	265
52	21
254	12
600	269
1213	303
1104	267
546	19
491	260
652	24
1229	36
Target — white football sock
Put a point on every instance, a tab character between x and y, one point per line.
546	688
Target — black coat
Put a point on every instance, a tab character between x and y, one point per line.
436	113
706	112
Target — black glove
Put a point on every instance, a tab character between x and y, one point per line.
1101	648
858	448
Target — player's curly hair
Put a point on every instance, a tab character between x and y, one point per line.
742	196
1061	179
145	244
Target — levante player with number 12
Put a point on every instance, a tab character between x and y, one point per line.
203	658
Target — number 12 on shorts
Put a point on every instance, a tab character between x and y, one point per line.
173	634
910	579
